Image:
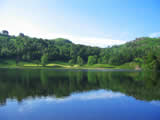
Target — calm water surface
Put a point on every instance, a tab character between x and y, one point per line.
79	95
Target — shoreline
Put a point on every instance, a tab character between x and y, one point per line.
11	64
71	68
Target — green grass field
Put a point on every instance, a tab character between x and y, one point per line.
58	64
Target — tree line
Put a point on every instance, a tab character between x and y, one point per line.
144	51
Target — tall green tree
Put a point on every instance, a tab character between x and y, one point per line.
80	61
92	60
71	61
44	60
152	62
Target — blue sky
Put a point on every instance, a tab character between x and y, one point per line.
91	22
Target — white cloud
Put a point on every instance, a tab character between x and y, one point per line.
101	94
15	26
153	35
30	30
92	41
91	95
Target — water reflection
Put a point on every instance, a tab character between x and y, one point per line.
79	95
31	103
22	84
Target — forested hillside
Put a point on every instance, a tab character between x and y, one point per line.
26	48
144	51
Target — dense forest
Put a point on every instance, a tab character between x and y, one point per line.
144	51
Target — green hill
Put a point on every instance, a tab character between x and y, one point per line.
138	48
143	52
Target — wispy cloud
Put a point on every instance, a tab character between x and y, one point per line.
92	41
156	34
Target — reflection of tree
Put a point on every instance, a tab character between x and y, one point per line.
43	77
79	76
92	77
21	84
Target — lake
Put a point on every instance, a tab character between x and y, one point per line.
79	95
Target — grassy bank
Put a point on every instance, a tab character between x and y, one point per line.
59	64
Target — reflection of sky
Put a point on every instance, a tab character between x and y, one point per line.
31	103
157	103
99	94
85	96
96	104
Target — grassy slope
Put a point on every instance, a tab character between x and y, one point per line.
59	64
